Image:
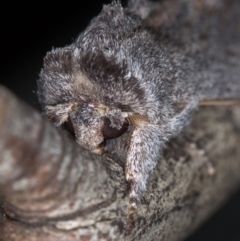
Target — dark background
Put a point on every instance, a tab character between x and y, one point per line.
29	30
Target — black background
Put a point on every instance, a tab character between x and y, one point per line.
29	30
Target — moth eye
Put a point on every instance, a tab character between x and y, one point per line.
110	132
69	126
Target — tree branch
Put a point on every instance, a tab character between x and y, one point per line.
63	192
45	177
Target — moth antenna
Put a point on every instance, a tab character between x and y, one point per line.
219	102
227	102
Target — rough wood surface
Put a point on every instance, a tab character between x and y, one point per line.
52	189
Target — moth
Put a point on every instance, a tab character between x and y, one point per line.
128	89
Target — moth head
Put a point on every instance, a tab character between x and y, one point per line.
91	122
89	93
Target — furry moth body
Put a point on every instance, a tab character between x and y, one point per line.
116	83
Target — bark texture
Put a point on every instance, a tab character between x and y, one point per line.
52	189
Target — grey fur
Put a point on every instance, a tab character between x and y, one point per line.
117	70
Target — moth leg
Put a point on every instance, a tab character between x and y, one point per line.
143	153
146	143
